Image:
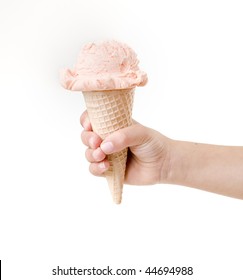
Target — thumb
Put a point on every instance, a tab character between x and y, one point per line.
133	135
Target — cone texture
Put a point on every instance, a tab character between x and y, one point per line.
109	111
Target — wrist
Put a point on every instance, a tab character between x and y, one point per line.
177	163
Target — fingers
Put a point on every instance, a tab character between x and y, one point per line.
98	168
127	137
84	121
95	155
90	139
97	149
97	158
98	161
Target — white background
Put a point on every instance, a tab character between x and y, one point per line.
52	210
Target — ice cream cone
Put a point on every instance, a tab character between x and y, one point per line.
109	111
107	73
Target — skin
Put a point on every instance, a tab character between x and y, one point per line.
155	159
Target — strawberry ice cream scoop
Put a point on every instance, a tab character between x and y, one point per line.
105	66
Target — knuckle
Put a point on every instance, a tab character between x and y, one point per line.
93	169
88	155
82	118
83	136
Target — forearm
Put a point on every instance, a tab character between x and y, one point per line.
213	168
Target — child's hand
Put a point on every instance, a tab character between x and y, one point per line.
154	158
147	162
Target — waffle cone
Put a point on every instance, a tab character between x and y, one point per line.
109	111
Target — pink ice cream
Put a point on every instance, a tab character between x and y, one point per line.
106	66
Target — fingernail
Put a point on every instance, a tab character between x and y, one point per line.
102	165
107	147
